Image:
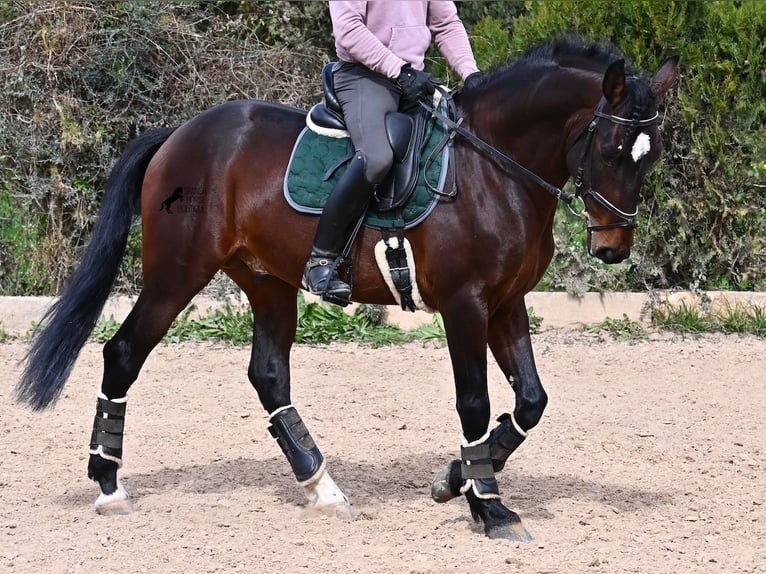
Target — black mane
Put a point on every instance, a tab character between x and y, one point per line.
570	52
566	52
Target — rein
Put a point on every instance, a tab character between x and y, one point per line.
509	164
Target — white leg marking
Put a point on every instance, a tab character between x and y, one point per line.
116	503
324	495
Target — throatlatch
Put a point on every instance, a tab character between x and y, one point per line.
108	428
294	439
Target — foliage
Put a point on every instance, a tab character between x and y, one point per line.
318	323
490	26
685	318
78	80
702	226
623	330
321	323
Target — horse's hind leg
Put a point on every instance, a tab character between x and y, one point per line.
124	355
274	326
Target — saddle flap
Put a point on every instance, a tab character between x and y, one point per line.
399	128
406	135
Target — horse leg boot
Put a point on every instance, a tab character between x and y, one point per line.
307	462
106	455
503	440
344	207
474	476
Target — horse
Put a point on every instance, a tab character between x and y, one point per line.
565	109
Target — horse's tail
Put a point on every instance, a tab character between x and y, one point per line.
66	326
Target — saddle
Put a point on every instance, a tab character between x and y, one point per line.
406	198
406	136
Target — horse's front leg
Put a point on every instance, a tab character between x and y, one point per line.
511	345
274	325
465	323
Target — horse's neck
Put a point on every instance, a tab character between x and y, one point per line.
533	124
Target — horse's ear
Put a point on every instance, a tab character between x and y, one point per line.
665	77
614	82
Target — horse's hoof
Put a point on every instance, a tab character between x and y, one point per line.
115	504
325	497
441	490
512	530
344	512
340	510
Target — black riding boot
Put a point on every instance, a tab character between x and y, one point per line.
344	207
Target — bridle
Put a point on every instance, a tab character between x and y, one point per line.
582	192
628	218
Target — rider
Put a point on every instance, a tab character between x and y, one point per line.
381	47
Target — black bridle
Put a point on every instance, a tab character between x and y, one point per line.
509	164
628	218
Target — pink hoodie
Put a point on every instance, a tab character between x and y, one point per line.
385	34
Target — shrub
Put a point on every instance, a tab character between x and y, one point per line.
705	206
80	80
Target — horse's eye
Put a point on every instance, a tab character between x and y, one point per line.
610	153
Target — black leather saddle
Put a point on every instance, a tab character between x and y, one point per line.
406	131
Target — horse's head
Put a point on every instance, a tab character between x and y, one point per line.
613	154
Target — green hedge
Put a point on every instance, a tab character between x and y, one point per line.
702	222
78	80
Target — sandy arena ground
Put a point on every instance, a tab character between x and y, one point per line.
651	457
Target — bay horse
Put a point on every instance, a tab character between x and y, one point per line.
564	109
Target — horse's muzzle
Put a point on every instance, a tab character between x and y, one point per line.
611	255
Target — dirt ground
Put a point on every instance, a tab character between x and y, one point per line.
651	457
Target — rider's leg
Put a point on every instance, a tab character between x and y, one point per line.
344	207
366	98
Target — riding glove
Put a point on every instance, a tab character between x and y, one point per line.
415	85
473	80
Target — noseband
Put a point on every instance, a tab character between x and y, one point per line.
509	164
628	218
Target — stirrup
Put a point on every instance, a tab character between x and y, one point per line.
320	277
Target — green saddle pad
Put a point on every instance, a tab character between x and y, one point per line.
314	155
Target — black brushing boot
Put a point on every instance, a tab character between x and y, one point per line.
344	207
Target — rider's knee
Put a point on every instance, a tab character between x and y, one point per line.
378	165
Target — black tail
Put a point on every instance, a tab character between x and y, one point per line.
66	326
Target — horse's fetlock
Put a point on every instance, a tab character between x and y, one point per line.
104	472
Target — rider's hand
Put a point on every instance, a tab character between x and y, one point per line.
473	80
415	84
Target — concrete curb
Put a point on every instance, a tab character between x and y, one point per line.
558	310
